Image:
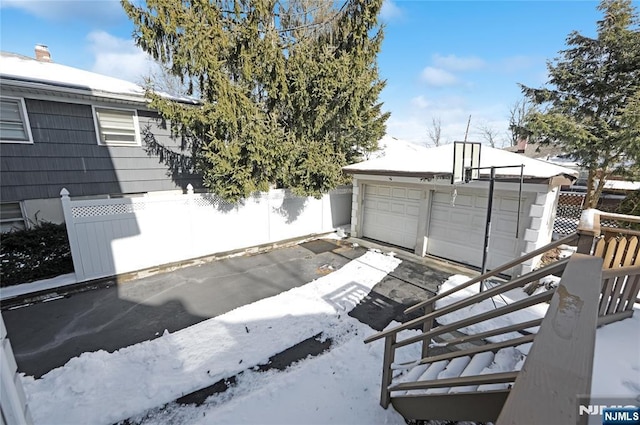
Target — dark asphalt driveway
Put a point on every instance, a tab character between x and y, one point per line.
112	315
45	335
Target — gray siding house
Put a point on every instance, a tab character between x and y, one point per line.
66	127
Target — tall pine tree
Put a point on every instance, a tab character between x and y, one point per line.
592	103
289	88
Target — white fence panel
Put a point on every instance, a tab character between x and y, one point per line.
114	236
13	402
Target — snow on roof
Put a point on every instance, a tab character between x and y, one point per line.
391	146
65	78
439	161
621	185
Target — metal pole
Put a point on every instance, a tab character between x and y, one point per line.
519	201
487	230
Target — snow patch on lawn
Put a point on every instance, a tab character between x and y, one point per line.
101	387
341	386
616	362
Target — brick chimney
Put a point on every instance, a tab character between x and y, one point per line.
42	53
522	145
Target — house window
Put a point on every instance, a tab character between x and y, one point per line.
117	126
11	217
14	122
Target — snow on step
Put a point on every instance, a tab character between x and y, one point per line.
430	374
410	376
505	360
453	370
477	364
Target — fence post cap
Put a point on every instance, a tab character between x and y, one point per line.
64	192
589	222
190	189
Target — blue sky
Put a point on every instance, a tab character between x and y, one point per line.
441	59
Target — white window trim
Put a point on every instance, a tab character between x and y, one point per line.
22	212
26	123
136	126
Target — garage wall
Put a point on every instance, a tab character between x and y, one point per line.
543	214
536	216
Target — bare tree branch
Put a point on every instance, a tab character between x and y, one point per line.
488	134
518	114
434	132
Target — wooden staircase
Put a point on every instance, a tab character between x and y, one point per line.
498	374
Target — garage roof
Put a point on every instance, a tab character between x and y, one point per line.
438	161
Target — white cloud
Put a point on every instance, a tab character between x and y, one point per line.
438	77
456	63
119	58
420	102
517	63
453	111
390	10
98	11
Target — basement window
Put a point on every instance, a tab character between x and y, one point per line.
11	217
117	127
14	122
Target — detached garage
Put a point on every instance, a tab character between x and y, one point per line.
409	201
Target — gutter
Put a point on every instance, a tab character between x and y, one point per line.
558	180
82	91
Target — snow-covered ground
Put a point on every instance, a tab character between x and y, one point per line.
40	285
340	386
103	387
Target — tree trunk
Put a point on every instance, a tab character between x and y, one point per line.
594	191
590	191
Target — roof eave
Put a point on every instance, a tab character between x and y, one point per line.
58	88
557	180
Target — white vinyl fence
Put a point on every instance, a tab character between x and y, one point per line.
13	402
114	236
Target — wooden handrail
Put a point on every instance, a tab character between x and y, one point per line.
500	311
620	271
494	332
491	378
620	217
559	365
480	349
497	270
518	282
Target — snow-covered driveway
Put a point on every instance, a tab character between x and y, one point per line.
99	387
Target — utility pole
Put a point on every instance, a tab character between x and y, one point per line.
466	133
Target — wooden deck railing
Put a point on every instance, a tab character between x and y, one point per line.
559	365
615	292
391	336
619	247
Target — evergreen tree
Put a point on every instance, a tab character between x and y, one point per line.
289	89
592	105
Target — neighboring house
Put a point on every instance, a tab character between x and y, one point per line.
409	201
615	188
66	127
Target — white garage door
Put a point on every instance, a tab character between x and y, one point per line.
391	214
456	231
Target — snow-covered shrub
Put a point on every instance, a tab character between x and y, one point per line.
32	254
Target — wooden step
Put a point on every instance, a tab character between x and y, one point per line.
477	364
475	406
431	373
453	370
505	360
